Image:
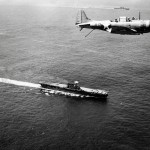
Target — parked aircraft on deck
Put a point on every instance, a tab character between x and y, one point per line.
122	25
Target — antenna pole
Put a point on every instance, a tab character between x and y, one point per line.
139	15
89	32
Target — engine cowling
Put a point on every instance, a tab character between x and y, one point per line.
148	24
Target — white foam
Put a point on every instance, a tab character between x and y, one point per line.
19	83
49	91
33	85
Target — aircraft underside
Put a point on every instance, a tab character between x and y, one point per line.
120	31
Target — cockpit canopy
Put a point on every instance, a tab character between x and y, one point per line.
125	19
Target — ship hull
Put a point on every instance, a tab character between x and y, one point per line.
81	93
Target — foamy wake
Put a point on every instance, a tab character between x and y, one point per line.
50	92
19	83
46	91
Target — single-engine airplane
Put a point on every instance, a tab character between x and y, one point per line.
122	25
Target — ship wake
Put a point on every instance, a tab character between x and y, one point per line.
38	86
19	83
46	91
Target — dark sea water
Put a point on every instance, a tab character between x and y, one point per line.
42	44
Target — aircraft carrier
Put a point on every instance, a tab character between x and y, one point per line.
69	89
125	8
73	89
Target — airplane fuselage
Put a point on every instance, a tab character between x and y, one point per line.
122	25
132	27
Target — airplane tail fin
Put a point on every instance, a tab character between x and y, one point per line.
81	17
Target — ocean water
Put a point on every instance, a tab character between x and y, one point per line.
42	44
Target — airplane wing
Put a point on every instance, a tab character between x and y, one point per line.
122	30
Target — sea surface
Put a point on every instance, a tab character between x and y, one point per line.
42	44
